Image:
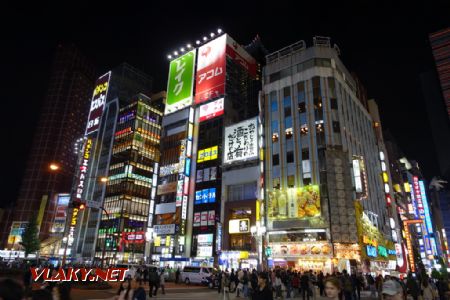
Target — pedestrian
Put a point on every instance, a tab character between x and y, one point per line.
145	274
219	275
442	287
372	287
177	275
304	285
412	286
333	288
347	285
226	286
428	292
356	286
320	283
153	281
126	293
392	290
162	282
139	293
263	290
245	284
278	285
232	281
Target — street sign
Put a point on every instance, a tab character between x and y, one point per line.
92	204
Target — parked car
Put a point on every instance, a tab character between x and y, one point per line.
193	274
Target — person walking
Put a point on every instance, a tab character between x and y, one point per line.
304	285
263	290
177	275
162	282
225	286
372	288
412	286
320	283
153	281
347	285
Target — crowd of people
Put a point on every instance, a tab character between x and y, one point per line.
249	284
285	284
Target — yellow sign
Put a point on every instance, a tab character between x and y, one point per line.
208	154
243	255
367	240
168	240
157	241
214	151
74	217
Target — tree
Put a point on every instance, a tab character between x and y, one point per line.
30	237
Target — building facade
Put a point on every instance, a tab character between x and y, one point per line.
131	178
113	90
58	128
322	173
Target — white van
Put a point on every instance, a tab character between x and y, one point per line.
191	274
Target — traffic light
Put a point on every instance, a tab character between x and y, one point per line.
78	204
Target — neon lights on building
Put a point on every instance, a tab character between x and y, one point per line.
83	169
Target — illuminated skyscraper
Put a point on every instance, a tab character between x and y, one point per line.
66	102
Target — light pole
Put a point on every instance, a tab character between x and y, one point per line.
104	243
258	232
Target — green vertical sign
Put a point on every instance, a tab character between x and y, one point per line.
180	82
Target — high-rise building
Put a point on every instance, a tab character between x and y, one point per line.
132	174
440	44
325	198
113	91
190	222
58	128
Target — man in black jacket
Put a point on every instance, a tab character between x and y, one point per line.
263	291
153	282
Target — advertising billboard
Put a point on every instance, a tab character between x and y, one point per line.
98	103
61	213
211	110
238	226
211	63
241	141
83	169
180	82
240	56
294	203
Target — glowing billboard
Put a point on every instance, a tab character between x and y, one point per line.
241	141
180	82
294	203
211	110
210	78
98	103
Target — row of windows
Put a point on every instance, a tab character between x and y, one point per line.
314	62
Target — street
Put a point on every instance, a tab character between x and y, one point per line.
174	292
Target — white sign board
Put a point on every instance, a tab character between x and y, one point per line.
239	226
241	141
164	229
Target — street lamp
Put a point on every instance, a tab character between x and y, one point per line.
258	232
54	166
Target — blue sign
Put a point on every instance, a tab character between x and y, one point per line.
187	170
205	195
198	197
212	195
371	251
391	252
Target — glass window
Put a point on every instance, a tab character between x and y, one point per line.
336	127
291	181
302	107
273	101
333	103
275	126
287	92
316	87
275	159
301	91
290	157
305	154
274	76
288	122
306	181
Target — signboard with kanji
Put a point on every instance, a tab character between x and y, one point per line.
241	141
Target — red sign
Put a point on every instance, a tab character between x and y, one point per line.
210	78
240	56
211	110
133	237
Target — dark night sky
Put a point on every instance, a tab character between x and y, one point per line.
385	45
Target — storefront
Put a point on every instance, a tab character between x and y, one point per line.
238	260
302	256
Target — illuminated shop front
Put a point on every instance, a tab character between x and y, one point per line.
302	250
238	259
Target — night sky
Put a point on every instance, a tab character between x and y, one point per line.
386	45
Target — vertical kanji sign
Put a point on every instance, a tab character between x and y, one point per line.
180	82
241	141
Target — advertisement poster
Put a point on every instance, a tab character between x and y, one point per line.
296	203
98	103
211	64
241	141
211	110
180	82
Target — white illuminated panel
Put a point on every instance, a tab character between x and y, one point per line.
241	141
